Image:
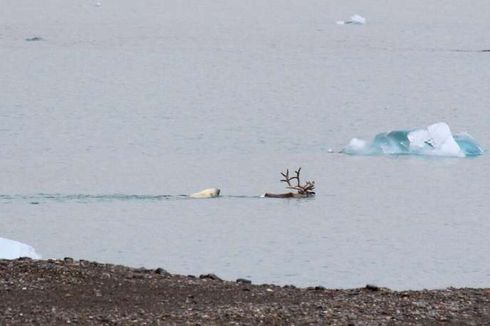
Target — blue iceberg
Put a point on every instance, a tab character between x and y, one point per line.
436	139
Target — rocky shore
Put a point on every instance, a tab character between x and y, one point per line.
89	293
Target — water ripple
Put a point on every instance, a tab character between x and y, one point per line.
42	197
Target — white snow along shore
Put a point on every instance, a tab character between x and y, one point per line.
11	249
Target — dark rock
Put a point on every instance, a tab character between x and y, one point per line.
210	276
68	260
266	285
289	286
161	271
84	263
243	281
372	287
319	288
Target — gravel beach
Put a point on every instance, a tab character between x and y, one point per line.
91	293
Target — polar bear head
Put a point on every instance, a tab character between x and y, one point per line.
206	193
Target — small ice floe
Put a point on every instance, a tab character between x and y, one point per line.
206	193
436	140
34	39
355	20
10	249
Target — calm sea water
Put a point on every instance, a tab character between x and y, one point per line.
124	106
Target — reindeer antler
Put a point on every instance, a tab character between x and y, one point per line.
307	189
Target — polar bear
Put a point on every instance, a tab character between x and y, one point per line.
206	193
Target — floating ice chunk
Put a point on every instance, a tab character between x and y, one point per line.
356	20
357	144
418	139
468	144
443	141
436	139
34	39
10	249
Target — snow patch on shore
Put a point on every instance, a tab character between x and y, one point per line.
11	249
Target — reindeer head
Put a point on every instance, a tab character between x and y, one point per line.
306	189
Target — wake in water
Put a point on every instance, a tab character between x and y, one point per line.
436	140
37	199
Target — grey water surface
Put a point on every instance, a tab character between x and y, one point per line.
119	107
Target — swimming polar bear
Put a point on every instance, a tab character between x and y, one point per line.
206	193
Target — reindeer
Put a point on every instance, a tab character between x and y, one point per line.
302	191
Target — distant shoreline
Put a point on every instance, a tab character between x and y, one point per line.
69	291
